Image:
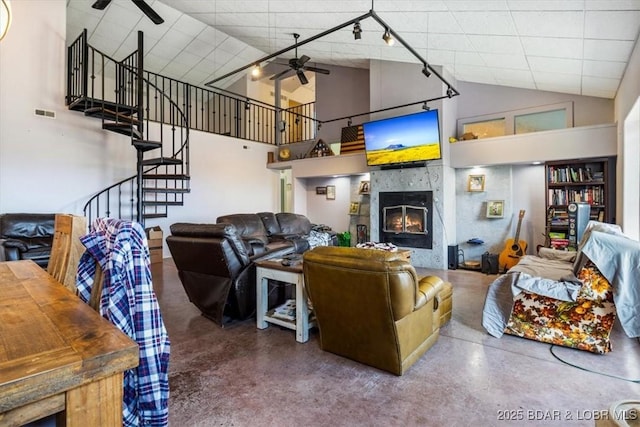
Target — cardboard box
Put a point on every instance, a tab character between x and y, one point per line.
154	233
154	239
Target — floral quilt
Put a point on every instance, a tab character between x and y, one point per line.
584	324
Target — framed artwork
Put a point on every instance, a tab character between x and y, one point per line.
495	208
361	230
364	187
331	192
476	183
321	190
354	208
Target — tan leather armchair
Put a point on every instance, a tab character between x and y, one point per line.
371	307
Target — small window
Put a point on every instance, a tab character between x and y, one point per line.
536	122
486	129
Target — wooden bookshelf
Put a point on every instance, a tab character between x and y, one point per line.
589	181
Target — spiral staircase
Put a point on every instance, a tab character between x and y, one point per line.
130	102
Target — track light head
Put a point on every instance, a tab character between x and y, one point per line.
349	122
256	71
425	71
388	39
357	31
425	107
449	92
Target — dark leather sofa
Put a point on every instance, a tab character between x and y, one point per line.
26	236
216	262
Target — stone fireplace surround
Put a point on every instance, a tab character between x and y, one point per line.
429	178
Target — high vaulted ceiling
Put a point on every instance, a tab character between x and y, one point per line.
575	46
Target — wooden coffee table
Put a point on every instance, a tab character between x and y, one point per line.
274	270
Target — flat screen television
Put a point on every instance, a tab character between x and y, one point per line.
403	140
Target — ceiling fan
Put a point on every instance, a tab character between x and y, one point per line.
298	66
144	7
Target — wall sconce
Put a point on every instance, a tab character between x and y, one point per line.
387	37
5	17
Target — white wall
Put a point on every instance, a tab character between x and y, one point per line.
629	144
55	165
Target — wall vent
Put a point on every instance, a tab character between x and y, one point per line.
45	113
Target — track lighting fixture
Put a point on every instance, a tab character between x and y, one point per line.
319	126
357	31
388	39
425	71
425	107
349	122
256	71
449	92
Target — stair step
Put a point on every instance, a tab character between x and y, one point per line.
84	104
154	215
180	177
104	113
158	161
166	190
143	145
161	203
122	128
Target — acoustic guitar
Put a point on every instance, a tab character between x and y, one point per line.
514	249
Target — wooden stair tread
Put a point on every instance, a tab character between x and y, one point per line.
165	190
181	177
158	161
123	129
144	145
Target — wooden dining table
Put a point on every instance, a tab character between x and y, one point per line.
57	355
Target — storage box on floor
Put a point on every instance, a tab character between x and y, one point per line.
154	237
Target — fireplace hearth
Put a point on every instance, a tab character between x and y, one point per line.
406	218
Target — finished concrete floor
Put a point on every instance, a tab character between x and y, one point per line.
242	376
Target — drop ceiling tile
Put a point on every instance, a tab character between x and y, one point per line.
572	81
496	44
212	36
441	57
450	42
608	50
554	47
164	51
612	25
604	69
546	5
176	39
112	30
188	25
108	45
469	5
555	65
199	47
122	16
231	45
555	87
612	4
155	63
188	60
241	20
443	22
600	93
549	24
492	22
469	58
518	62
601	83
192	6
392	5
169	14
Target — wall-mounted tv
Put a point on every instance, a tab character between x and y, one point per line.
404	139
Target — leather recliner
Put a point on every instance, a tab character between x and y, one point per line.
26	236
371	307
216	268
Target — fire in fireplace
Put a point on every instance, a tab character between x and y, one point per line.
406	218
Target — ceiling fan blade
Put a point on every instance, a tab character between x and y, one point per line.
317	70
303	79
101	4
146	9
302	60
280	74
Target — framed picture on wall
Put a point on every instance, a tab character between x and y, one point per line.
364	187
331	192
495	209
475	183
321	190
354	208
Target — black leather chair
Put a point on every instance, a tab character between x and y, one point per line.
26	236
216	268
